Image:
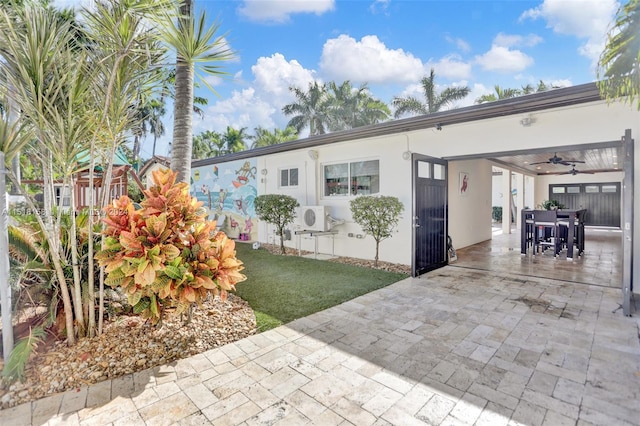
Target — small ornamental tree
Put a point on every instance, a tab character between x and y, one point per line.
165	253
377	216
279	210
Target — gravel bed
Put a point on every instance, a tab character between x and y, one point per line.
130	344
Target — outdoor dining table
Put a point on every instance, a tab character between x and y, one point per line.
573	220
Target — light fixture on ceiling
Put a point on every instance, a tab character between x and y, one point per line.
313	154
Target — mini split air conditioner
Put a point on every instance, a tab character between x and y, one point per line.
314	218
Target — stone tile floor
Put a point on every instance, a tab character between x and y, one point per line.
455	347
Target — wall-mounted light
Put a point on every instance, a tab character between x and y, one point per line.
313	154
438	126
263	172
526	121
406	155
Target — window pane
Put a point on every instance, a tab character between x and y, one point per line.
365	177
284	177
424	169
336	179
609	188
558	190
293	177
591	189
573	189
438	172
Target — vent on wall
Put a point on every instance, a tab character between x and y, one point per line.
314	218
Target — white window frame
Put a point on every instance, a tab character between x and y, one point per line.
348	163
288	169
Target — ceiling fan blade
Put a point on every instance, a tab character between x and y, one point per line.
540	162
572	161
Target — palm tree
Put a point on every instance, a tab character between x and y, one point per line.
208	144
264	137
501	93
311	109
434	101
619	64
354	107
193	44
234	140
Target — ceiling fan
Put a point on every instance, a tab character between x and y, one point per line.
573	171
558	160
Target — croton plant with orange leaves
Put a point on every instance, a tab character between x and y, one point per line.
164	252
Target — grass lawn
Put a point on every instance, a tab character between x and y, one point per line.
281	289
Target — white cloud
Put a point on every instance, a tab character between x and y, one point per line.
243	109
280	11
368	60
461	44
274	75
585	19
380	6
501	58
451	67
514	40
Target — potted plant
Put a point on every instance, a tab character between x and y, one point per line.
550	205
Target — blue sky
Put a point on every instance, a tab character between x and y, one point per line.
391	44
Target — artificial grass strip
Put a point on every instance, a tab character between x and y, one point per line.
281	289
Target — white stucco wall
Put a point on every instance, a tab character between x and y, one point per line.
395	180
470	214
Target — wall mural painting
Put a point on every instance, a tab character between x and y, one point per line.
229	189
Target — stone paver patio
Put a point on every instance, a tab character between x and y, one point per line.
457	346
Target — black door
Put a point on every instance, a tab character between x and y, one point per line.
602	201
429	214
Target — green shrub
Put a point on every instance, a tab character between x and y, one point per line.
377	215
277	209
496	213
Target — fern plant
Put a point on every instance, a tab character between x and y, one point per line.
166	253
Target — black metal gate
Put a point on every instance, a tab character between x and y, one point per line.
429	214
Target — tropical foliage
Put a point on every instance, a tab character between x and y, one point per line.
323	108
377	215
265	137
619	64
277	209
433	102
506	93
165	253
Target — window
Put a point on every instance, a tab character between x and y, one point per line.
558	189
358	177
438	172
573	189
591	189
289	177
609	188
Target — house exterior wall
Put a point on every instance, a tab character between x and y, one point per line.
567	126
470	211
395	180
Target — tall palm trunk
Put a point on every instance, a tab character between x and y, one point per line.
183	109
182	128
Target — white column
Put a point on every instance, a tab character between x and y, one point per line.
519	198
506	201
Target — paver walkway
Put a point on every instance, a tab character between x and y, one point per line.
457	346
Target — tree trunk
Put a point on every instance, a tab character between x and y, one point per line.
183	119
75	262
375	262
183	113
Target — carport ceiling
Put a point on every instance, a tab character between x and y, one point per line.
596	160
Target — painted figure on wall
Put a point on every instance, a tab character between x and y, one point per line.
229	189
